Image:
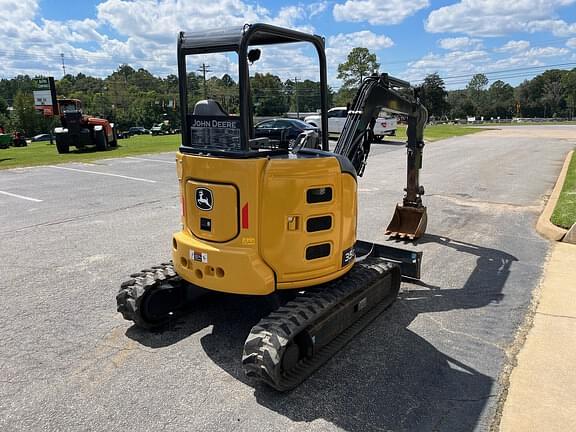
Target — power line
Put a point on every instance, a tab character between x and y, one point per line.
205	68
513	70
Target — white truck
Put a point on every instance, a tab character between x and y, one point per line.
385	124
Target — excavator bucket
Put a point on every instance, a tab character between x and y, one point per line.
408	222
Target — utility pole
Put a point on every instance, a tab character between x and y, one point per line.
296	95
205	68
63	65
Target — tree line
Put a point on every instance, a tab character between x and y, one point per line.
552	94
131	97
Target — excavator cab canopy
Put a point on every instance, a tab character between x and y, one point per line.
208	128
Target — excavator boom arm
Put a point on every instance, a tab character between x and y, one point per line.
375	94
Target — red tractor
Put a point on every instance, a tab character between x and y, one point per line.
81	130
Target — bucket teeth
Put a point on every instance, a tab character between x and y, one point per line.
408	223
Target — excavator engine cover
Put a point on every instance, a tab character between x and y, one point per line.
408	222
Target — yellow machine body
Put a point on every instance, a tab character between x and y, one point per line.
256	225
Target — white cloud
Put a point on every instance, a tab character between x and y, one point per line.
457	67
147	32
364	38
142	33
340	45
316	8
497	18
545	52
459	43
557	27
73	31
378	12
18	10
514	46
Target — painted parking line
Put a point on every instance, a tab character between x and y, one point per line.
151	160
20	196
102	173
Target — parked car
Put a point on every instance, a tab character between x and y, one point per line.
138	130
42	137
122	134
160	129
385	123
282	132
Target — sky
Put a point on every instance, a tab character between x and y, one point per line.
511	40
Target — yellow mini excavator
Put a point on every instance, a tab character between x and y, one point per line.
264	220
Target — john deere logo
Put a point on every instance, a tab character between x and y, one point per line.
204	200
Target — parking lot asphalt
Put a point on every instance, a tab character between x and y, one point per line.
436	360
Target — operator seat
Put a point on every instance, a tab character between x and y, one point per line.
209	107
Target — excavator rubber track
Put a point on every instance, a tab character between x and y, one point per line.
153	296
288	345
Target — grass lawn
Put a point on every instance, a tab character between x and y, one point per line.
436	132
565	212
43	153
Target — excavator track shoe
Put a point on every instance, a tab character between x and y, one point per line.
288	345
408	223
152	296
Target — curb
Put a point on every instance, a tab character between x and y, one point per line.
544	226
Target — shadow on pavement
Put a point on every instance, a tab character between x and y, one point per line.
389	142
388	378
92	149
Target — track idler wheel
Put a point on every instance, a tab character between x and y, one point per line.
152	297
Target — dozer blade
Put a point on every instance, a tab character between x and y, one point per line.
408	222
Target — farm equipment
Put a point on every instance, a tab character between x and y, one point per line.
5	141
15	140
19	140
280	222
81	130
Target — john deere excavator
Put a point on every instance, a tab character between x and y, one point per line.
265	221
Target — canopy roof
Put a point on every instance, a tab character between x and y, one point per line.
230	38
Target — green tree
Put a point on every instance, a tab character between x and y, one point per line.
569	82
434	96
226	91
460	105
268	95
359	64
4	120
3	106
501	100
529	94
545	94
554	92
344	96
26	119
305	95
477	93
